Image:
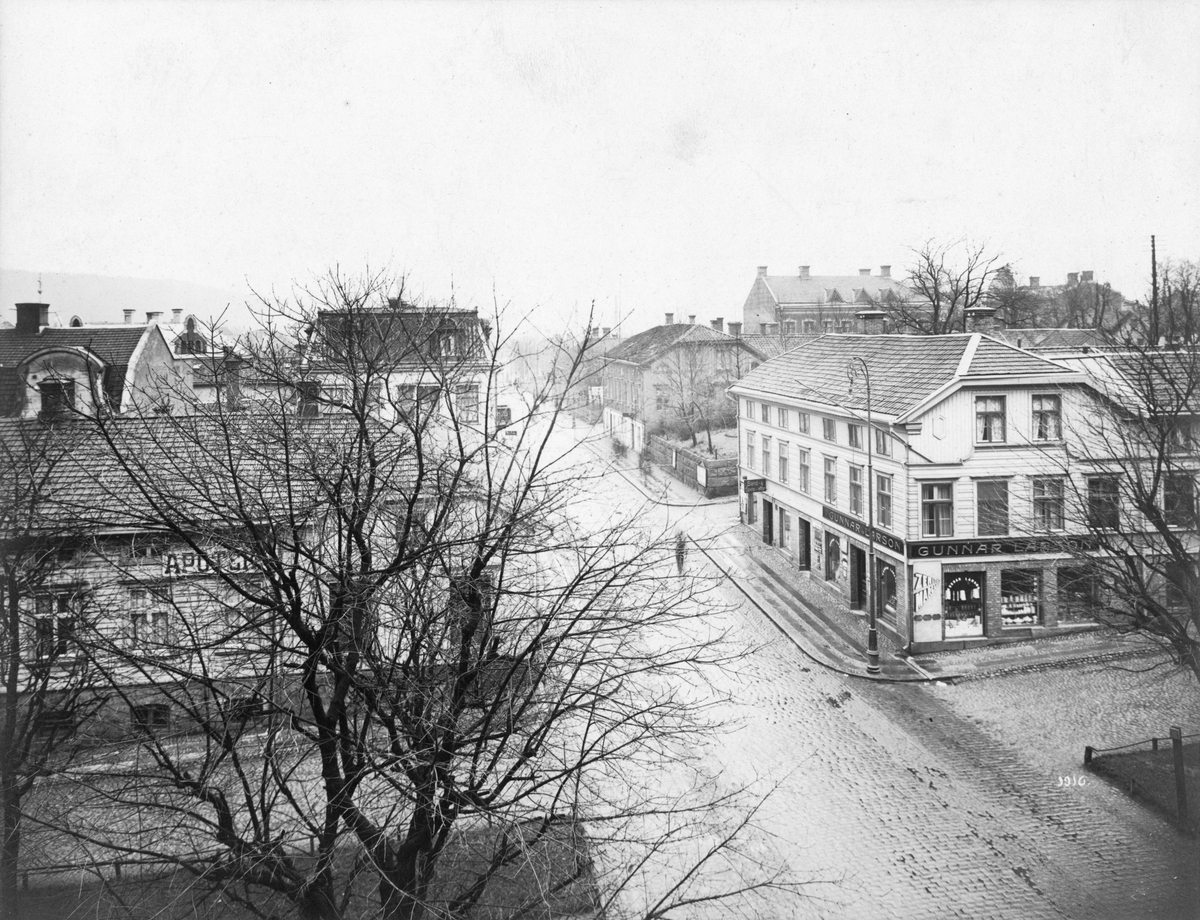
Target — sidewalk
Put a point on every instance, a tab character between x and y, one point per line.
819	622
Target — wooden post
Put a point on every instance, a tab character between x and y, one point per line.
1180	784
1087	755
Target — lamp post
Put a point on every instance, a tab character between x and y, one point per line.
872	630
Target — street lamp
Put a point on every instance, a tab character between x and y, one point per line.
872	631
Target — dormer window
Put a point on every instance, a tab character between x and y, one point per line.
58	398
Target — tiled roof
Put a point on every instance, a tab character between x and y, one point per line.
112	344
647	347
905	369
772	346
1050	339
792	289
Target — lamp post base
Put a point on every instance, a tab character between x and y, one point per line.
872	650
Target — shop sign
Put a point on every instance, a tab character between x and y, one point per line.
1003	546
177	565
927	601
754	485
854	525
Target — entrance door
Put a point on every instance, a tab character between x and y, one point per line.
858	578
768	521
804	536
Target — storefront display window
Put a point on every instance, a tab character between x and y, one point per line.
1078	595
833	556
962	606
1020	597
887	588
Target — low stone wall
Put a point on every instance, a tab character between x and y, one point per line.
714	478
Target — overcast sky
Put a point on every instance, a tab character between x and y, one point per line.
644	156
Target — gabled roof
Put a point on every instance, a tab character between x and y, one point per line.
905	369
1151	379
792	289
647	347
772	346
114	345
1051	339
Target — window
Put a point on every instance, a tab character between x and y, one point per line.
833	555
427	397
1047	418
802	422
662	399
781	418
1179	499
467	398
802	471
845	325
150	716
58	397
750	450
783	461
991	508
789	328
785	530
766	460
1180	434
1048	504
887	586
1020	597
242	708
810	327
149	616
855	436
989	419
54	625
937	509
766	414
831	480
1078	594
856	490
828	324
749	409
829	429
1104	501
883	443
1180	580
883	501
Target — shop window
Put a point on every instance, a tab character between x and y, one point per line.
1020	597
1047	418
1179	499
802	471
829	429
802	422
751	509
992	508
962	605
856	490
989	419
150	716
1078	595
831	480
784	448
883	443
785	529
854	436
1048	504
883	500
1104	501
937	509
886	586
833	555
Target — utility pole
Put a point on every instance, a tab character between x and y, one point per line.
872	625
1153	294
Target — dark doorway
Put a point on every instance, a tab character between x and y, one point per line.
768	521
858	578
804	536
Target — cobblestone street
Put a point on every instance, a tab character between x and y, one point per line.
932	800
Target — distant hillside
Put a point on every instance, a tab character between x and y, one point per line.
102	298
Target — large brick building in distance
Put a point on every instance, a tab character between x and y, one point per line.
808	304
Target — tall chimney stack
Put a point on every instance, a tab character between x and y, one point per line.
762	271
691	319
1035	282
864	272
885	271
177	315
872	320
804	272
719	324
1072	277
735	330
31	317
153	316
1086	276
981	319
128	317
670	319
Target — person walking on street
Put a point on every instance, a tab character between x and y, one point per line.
680	550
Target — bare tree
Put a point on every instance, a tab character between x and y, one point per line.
1017	306
694	376
946	280
416	667
46	683
1171	313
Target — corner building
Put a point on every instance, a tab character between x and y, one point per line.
961	475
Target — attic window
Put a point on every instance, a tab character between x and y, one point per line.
58	398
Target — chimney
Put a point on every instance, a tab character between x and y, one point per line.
864	272
804	273
128	317
606	331
31	317
152	316
1035	282
735	330
670	319
981	319
1087	276
872	321
1072	277
885	271
762	271
177	315
719	324
691	319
